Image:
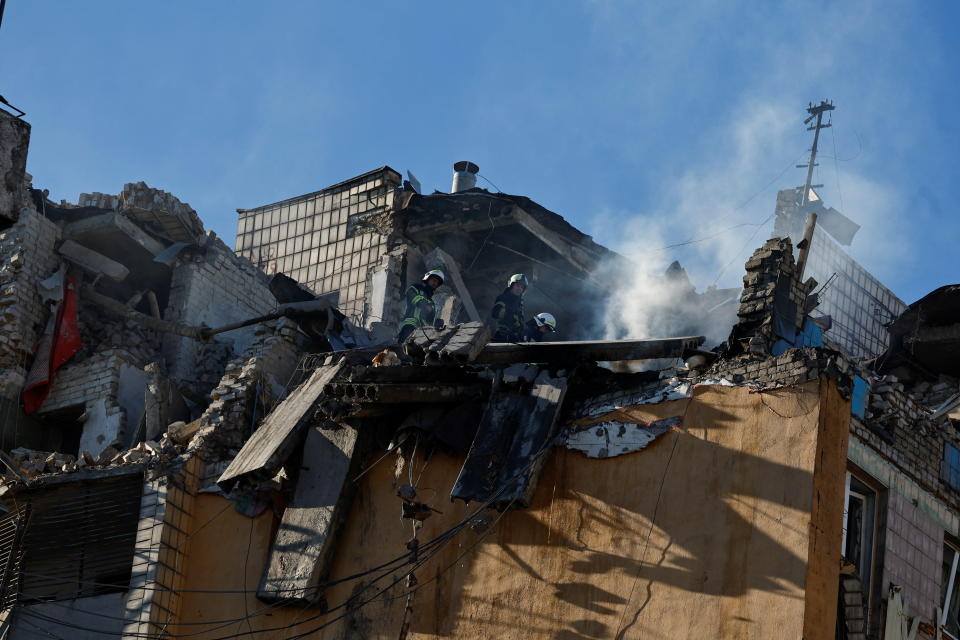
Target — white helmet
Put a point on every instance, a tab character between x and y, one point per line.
546	320
434	272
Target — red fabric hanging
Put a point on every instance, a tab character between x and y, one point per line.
54	350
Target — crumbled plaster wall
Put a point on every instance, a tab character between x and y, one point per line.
14	142
214	287
26	258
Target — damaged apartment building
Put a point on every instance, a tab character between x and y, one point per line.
229	444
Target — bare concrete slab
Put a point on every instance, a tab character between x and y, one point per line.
273	442
305	542
93	261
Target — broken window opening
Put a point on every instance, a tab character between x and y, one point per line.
949	591
859	532
63	428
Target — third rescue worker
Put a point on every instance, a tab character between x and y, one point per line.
421	310
538	327
508	310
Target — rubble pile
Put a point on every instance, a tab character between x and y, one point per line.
29	463
251	384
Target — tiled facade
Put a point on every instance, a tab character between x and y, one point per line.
326	240
913	554
859	305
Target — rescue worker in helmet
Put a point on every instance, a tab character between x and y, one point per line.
507	311
421	310
539	327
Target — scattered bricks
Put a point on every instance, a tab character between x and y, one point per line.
107	456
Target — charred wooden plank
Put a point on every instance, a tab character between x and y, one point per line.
271	444
597	350
510	448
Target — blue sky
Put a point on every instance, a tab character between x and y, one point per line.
643	123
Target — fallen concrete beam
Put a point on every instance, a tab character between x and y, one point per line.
596	350
306	539
122	310
273	442
92	261
452	271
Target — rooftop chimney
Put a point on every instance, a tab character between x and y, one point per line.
464	176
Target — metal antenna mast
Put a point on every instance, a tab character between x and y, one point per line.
804	245
815	112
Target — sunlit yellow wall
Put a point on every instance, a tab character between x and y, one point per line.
726	528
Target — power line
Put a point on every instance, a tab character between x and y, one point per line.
737	208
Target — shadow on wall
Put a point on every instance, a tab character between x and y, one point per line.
727	524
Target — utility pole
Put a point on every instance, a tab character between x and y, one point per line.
804	245
815	112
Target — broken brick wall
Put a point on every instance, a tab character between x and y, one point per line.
770	318
215	287
26	258
14	142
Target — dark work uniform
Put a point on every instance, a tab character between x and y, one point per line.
508	317
532	333
421	311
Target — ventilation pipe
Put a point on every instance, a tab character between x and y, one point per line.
464	176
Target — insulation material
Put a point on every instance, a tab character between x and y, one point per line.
615	438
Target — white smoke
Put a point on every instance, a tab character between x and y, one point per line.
722	205
711	210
